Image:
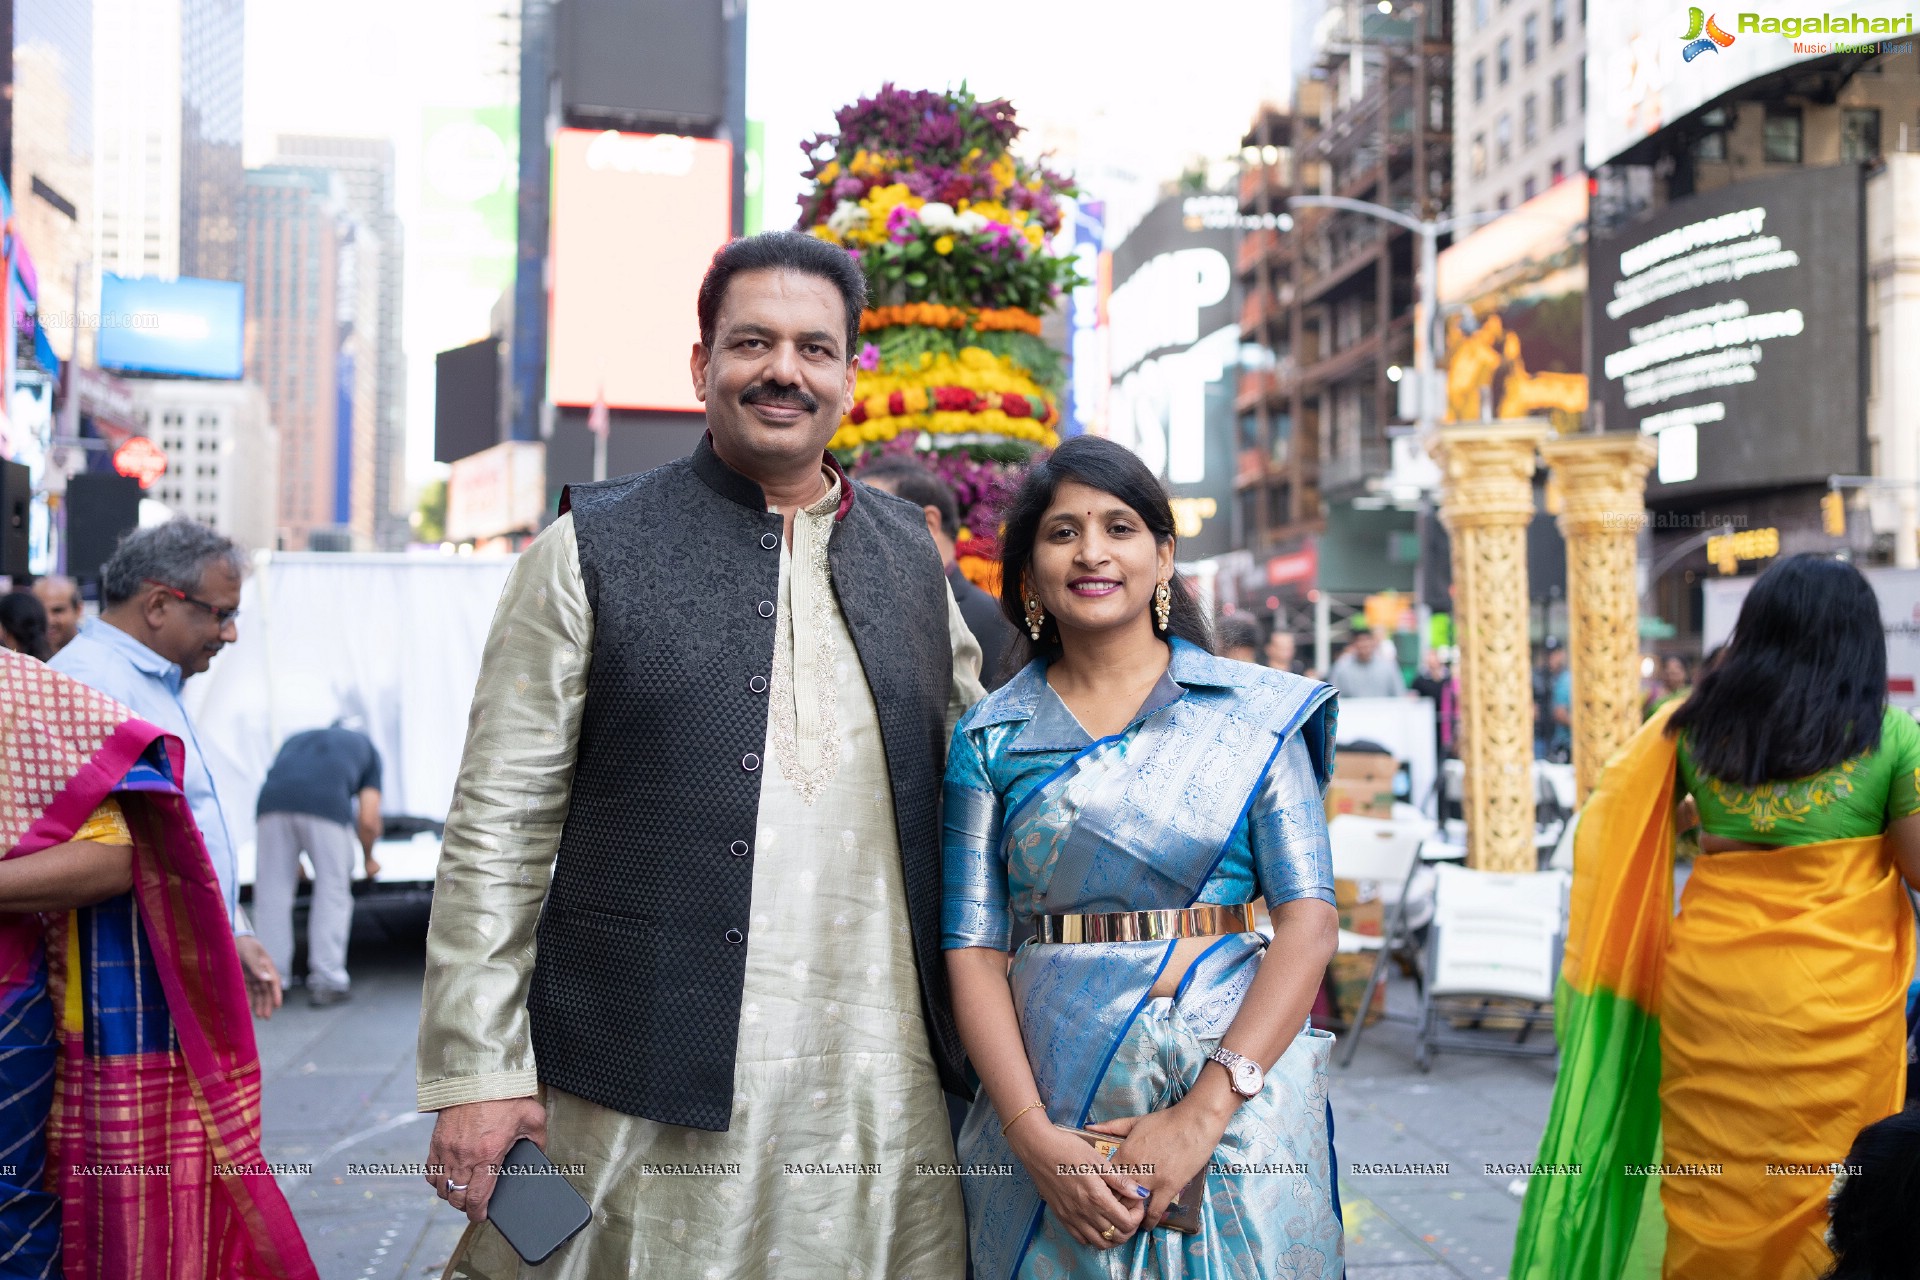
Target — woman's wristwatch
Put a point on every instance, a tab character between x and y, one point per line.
1243	1074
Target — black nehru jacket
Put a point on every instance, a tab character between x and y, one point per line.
642	944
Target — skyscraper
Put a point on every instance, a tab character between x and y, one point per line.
52	176
365	168
306	270
167	103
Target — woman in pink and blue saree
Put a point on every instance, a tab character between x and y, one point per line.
130	1130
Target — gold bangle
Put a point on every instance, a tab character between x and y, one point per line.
1016	1116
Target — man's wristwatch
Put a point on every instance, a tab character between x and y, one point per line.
1243	1074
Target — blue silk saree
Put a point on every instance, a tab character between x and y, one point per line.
1212	794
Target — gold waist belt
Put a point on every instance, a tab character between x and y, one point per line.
1208	921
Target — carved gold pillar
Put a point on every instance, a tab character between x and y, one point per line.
1602	481
1486	502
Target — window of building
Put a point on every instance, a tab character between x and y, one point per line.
1479	79
1503	138
1501	203
1529	120
1479	155
1528	189
1781	135
1530	39
1557	19
1557	101
1503	60
1556	172
1859	135
1482	13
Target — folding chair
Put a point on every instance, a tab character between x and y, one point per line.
1493	937
1386	850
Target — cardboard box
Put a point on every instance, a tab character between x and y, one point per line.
1360	907
1347	976
1362	784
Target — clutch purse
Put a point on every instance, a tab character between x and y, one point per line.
1183	1211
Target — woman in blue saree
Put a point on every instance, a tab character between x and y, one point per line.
1136	798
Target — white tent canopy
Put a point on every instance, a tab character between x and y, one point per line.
393	639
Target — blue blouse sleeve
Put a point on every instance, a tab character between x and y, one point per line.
974	873
1287	828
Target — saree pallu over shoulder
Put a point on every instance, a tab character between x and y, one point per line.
134	1088
1192	803
1708	1059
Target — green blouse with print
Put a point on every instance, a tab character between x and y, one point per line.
1856	797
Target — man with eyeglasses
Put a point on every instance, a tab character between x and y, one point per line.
169	599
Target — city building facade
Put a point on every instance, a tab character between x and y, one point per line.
52	169
167	94
365	166
222	454
1519	99
296	231
1330	296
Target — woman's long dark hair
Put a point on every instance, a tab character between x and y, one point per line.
1111	468
1875	1226
24	618
1802	684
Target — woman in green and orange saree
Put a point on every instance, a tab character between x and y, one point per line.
129	1081
1715	1064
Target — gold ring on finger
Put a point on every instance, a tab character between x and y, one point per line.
1108	1233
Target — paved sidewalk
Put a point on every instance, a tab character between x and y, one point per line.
340	1097
1471	1111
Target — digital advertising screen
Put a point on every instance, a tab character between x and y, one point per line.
636	219
187	328
1651	62
1727	326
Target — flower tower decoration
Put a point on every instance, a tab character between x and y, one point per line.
952	232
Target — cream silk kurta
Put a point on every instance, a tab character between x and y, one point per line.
838	1159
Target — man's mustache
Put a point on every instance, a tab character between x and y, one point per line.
773	393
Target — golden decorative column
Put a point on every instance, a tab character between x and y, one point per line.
1486	502
1602	481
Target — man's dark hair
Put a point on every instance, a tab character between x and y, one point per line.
175	554
910	480
784	251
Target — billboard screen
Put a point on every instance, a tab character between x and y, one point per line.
1513	295
187	327
1660	60
466	400
636	219
1728	327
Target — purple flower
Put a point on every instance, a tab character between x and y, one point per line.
869	357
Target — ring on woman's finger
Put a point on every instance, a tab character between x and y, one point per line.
1108	1233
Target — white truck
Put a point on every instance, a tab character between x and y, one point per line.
393	639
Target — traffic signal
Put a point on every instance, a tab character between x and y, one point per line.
1833	514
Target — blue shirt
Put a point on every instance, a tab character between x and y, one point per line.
108	659
320	773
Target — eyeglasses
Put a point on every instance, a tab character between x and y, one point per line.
219	615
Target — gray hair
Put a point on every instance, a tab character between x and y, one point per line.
176	554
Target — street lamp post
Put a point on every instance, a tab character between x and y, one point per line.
1429	230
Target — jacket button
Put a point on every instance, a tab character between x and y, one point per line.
758	684
750	762
766	608
769	540
736	937
739	848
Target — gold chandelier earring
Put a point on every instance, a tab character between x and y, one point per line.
1036	616
1162	605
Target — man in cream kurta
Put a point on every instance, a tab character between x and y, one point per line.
838	1116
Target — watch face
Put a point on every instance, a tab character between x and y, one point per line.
1246	1078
